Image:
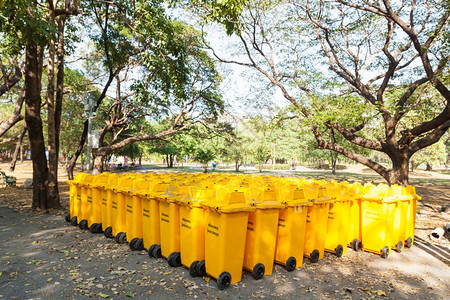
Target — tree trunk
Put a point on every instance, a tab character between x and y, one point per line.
51	127
34	123
17	150
171	157
333	156
429	167
399	173
97	165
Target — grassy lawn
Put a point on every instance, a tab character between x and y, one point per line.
326	175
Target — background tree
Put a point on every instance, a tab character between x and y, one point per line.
383	57
174	81
204	156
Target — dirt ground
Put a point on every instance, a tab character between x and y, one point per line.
42	257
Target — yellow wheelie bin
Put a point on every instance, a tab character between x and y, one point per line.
86	194
400	216
169	228
291	229
338	225
377	215
262	228
118	209
192	228
95	203
354	193
226	230
133	214
316	229
107	195
411	216
75	198
151	218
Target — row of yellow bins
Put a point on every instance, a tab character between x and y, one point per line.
220	224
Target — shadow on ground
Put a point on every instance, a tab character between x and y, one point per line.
41	256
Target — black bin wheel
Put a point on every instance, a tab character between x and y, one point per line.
314	256
157	251
133	244
150	250
83	225
140	245
67	218
224	280
399	247
108	233
385	252
356	244
200	268
192	270
409	242
121	238
174	259
99	228
93	228
291	264
258	271
117	237
74	221
339	250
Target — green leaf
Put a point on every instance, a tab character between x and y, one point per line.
103	295
131	295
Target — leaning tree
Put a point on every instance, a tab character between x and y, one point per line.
161	78
356	70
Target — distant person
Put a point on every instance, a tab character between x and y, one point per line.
214	164
293	164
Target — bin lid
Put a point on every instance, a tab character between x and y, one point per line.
379	199
228	208
266	204
232	202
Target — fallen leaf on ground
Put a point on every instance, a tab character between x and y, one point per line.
103	295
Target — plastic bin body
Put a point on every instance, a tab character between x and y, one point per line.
354	229
86	195
151	214
118	206
376	224
337	226
262	227
316	229
134	208
107	195
226	231
75	194
193	222
133	216
192	234
225	243
169	227
400	222
411	215
291	233
95	200
150	221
